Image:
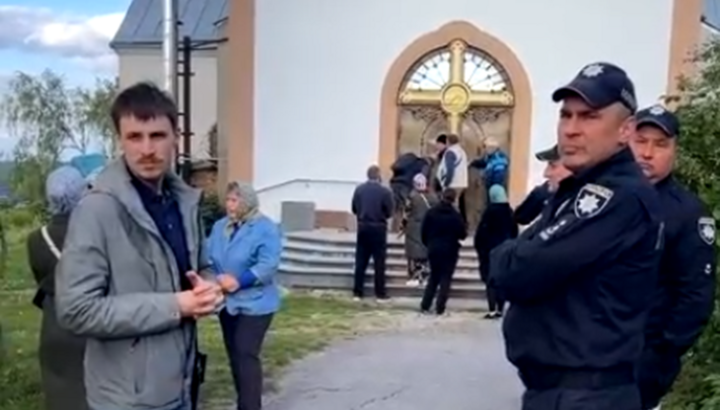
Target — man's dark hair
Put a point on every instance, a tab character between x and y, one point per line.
144	101
441	139
449	195
373	173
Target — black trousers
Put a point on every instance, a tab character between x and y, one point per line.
495	301
371	242
442	269
243	336
624	397
656	375
551	388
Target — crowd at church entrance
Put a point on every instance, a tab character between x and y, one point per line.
611	281
607	287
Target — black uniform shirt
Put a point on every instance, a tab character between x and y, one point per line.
580	280
533	204
684	299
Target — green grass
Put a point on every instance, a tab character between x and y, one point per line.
305	324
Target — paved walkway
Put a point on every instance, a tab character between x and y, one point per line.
425	363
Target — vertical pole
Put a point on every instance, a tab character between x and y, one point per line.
187	133
170	47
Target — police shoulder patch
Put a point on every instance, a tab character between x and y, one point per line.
591	200
706	229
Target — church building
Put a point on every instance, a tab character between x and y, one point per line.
312	92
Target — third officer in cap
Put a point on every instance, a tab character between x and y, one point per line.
686	286
554	172
579	280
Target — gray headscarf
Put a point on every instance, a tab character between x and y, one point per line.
249	196
63	189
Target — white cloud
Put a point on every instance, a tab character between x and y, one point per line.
81	38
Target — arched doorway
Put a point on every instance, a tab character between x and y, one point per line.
461	90
407	61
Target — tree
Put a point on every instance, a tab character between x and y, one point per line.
698	107
93	112
49	118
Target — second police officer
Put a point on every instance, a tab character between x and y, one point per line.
686	285
577	280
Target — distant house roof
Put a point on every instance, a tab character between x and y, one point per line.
5	192
711	13
142	26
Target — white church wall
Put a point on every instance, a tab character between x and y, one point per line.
147	65
709	33
320	66
326	194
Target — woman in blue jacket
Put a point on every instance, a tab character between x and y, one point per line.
244	249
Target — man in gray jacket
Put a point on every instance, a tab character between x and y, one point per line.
129	279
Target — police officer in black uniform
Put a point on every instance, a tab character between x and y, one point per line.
580	280
684	298
554	172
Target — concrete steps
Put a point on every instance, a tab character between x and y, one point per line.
324	260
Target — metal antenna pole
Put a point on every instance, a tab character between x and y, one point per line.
170	47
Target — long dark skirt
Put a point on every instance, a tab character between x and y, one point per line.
61	363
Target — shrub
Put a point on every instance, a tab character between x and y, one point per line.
698	388
210	211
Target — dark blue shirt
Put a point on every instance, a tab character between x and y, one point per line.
165	212
372	204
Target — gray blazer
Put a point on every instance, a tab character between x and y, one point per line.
115	285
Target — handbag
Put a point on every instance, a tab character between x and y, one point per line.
198	377
40	295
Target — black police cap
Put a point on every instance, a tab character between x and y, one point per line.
550	154
658	116
600	85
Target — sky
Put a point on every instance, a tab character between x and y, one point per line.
70	37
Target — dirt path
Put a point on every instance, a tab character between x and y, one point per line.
456	362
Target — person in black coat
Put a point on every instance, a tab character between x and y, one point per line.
61	353
496	226
441	232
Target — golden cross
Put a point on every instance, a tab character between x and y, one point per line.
456	97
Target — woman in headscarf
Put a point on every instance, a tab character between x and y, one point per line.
61	353
496	226
244	249
417	205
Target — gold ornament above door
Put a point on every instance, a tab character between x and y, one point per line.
457	78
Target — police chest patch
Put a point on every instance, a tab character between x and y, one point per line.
591	200
706	229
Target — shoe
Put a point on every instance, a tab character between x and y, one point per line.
412	283
489	315
357	298
425	312
383	299
498	314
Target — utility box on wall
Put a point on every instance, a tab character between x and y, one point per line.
297	216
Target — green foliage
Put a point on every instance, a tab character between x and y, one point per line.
47	117
210	211
698	163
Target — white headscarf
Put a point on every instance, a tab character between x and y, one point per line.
420	182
